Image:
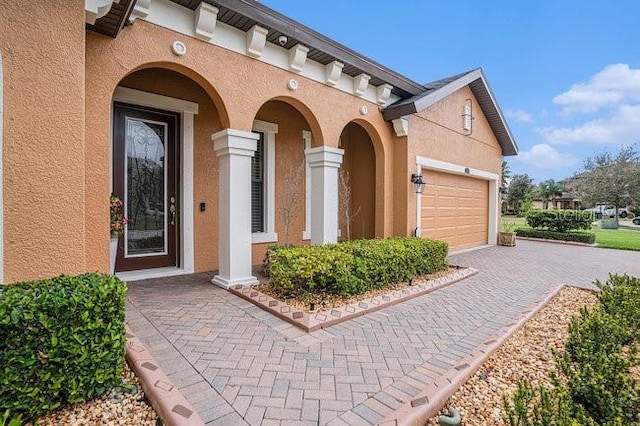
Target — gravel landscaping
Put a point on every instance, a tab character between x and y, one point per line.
123	406
527	354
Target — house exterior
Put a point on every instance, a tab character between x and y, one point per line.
224	127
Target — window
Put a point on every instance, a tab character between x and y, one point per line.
263	187
257	187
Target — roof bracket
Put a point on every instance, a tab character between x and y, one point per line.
360	84
401	126
140	10
256	40
96	9
383	92
205	21
297	57
332	72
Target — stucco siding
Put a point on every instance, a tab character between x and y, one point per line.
44	204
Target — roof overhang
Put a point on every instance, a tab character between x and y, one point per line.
439	90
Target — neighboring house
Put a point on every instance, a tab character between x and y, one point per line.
195	113
566	201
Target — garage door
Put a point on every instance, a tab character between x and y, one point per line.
455	209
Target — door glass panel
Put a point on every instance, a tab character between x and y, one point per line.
145	199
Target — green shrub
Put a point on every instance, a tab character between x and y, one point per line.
593	384
580	237
559	220
620	296
352	267
63	341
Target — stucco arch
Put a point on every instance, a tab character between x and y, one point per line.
193	75
378	184
306	112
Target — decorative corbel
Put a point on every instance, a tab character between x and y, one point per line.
205	21
360	84
256	40
140	10
297	57
332	72
383	92
96	9
401	126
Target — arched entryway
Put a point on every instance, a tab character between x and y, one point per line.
279	175
164	168
357	184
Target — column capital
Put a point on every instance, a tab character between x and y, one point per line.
324	156
235	142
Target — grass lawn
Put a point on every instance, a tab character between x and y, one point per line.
622	239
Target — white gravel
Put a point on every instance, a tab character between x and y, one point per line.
125	406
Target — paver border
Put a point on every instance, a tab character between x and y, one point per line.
428	403
164	396
314	321
547	240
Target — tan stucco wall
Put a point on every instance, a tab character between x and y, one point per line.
437	133
239	86
359	161
44	205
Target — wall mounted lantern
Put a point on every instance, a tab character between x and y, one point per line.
418	182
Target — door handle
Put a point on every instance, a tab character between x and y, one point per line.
172	210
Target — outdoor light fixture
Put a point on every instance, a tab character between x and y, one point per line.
418	182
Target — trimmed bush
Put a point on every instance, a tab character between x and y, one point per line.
580	237
63	341
352	267
559	220
593	384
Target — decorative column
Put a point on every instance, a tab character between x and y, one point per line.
324	163
234	149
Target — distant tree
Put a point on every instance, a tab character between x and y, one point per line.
549	190
520	189
505	175
346	211
609	179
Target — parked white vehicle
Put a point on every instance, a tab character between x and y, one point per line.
607	210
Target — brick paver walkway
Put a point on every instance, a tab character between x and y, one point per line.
237	364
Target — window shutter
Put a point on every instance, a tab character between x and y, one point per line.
257	187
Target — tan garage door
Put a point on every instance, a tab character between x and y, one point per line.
455	209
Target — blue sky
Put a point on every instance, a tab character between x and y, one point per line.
566	73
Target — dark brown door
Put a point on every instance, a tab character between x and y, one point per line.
145	147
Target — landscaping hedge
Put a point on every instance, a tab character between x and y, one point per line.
559	220
592	384
63	341
353	267
580	237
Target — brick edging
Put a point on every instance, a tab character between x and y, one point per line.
313	321
428	403
166	399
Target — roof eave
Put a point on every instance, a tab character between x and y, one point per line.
278	22
477	82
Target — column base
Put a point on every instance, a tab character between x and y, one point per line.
226	283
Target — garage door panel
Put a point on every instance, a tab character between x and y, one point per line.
455	209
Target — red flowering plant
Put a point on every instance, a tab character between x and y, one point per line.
118	221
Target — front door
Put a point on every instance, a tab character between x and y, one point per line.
145	143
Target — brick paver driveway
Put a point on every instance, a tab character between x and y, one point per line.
239	365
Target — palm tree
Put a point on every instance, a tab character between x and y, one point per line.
548	190
505	175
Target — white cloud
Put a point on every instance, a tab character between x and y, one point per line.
544	156
519	115
614	85
622	127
